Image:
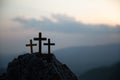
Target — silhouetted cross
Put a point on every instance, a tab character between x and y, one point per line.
49	44
31	46
40	42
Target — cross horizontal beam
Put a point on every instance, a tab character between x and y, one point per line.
49	45
31	45
40	39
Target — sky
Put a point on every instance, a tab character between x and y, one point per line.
67	22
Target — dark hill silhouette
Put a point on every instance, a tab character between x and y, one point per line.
103	73
37	67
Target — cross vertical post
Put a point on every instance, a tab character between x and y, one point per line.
49	45
31	45
40	39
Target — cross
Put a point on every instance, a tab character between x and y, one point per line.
31	45
49	44
40	42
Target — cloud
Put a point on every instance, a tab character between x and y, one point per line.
64	30
66	24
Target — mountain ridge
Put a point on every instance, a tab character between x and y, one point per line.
111	72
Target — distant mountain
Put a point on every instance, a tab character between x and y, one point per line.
103	73
83	58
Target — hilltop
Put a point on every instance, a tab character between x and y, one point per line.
37	67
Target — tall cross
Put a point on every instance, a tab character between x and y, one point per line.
31	45
49	44
40	39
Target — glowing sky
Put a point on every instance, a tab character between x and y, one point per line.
21	20
87	11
